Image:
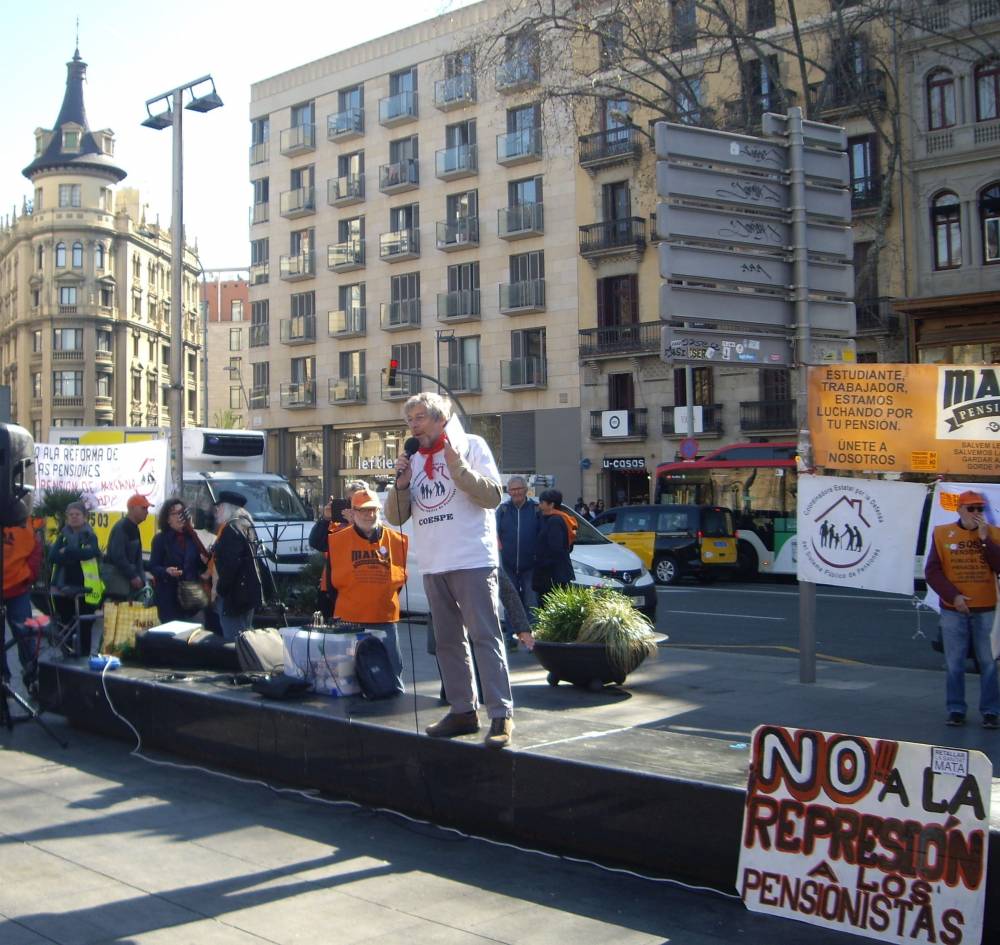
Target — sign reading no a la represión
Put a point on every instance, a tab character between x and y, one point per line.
878	838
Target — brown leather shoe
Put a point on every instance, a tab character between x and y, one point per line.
454	723
500	734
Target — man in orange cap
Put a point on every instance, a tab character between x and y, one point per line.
962	567
124	552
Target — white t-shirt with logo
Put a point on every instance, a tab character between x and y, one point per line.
451	532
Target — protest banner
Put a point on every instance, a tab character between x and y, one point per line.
925	418
858	532
878	838
105	474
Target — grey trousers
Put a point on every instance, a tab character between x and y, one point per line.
465	610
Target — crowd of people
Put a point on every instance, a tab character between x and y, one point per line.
474	551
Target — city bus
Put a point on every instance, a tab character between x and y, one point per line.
758	481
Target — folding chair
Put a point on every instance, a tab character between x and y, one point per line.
64	632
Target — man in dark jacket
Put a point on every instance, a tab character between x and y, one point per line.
239	588
517	531
124	552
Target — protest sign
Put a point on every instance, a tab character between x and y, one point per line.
879	838
106	474
858	532
926	418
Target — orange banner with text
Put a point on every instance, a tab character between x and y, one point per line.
926	418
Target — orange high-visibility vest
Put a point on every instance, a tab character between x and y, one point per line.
367	575
965	566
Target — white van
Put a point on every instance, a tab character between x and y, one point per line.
597	561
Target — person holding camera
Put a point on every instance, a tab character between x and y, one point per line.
962	567
337	514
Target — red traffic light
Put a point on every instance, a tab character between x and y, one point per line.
393	367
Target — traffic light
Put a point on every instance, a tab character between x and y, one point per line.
393	368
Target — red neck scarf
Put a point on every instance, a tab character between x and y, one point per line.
428	454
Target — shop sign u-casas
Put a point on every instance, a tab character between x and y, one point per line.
625	463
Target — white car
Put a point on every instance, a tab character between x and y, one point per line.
597	561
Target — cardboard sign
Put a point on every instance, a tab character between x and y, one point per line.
878	838
906	418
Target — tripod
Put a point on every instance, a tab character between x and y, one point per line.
7	692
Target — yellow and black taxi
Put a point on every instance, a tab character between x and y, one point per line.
675	541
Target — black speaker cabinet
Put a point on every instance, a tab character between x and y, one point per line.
17	473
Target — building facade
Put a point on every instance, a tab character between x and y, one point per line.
409	206
85	289
952	298
225	309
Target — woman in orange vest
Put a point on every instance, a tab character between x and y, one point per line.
22	560
367	569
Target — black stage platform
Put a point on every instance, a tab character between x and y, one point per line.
650	777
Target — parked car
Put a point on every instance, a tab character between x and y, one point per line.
675	541
597	562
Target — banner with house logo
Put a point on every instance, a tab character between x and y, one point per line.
944	510
878	838
858	533
927	418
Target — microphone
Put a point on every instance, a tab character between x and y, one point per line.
410	447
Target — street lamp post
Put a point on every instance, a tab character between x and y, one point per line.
172	117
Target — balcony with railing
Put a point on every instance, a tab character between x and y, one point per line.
406	386
459	306
519	147
346	190
399	245
866	193
457	162
711	421
347	323
521	221
260	212
71	354
260	335
522	298
343	391
745	113
876	317
298	394
298	202
458	234
845	92
944	17
299	266
622	237
398	177
64	400
959	139
299	139
463	378
609	147
398	316
520	72
342	126
523	374
635	426
260	152
102	356
455	92
768	416
612	341
397	109
259	397
346	256
260	273
298	330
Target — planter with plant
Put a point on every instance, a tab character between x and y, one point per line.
591	636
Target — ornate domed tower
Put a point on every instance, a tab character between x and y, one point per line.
85	288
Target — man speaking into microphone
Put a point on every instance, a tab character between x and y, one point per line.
450	487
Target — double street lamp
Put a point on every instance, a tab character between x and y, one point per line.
166	111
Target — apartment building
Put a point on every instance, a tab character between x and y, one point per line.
952	295
225	314
85	289
410	205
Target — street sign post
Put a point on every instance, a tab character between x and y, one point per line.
703	346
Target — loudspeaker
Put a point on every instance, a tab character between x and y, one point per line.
17	473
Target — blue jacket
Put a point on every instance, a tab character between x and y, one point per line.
517	531
172	549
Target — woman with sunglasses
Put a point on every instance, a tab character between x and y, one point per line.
174	557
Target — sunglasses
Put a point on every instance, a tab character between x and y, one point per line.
976	508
